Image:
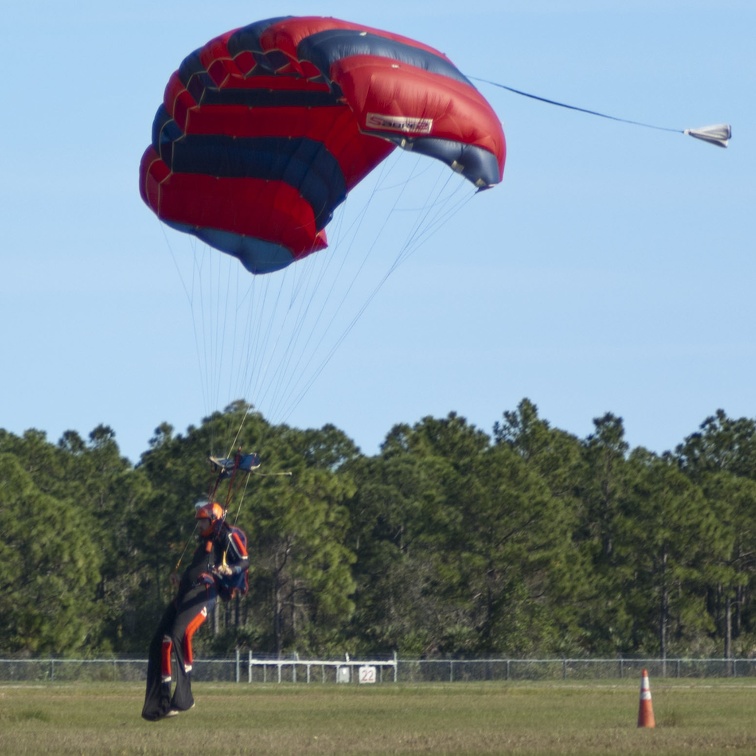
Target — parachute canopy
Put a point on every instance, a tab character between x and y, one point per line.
264	130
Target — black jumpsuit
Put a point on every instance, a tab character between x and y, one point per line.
197	593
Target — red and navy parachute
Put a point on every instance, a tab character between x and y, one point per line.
264	130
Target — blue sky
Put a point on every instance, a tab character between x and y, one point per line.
611	271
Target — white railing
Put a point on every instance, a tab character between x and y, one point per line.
309	670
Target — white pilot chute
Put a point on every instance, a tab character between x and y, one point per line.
719	134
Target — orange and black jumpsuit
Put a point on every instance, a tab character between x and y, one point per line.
197	593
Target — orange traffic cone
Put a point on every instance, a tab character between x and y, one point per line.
645	709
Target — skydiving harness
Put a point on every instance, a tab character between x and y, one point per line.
225	469
231	579
235	583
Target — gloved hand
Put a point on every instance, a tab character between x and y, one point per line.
223	569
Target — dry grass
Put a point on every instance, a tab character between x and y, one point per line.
522	718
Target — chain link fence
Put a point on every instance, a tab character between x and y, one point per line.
246	667
570	669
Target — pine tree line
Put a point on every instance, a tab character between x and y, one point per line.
451	542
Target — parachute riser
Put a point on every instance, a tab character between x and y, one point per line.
225	469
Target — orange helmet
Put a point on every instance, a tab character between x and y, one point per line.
210	511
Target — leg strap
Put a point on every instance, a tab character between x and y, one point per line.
165	659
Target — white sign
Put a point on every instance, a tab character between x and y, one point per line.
367	674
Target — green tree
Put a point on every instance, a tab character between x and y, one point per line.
721	444
515	544
606	623
721	458
51	569
292	510
558	459
103	489
303	584
458	544
396	516
732	500
553	454
668	539
302	561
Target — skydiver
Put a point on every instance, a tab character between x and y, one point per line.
219	560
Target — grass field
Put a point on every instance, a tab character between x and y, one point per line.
692	717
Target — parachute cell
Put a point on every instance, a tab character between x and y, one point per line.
264	131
